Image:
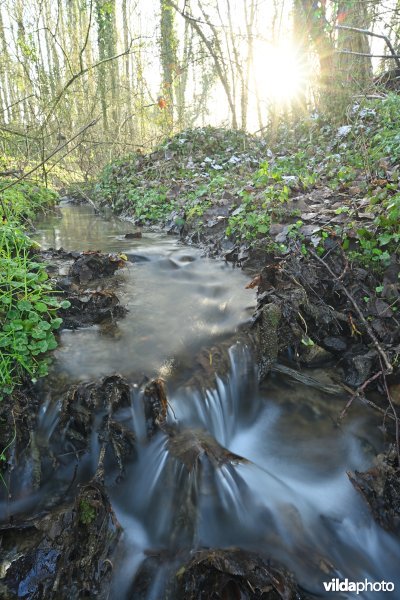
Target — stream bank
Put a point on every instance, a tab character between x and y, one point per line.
316	233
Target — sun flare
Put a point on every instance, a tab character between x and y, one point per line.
280	73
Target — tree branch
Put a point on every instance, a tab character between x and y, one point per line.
76	76
43	162
372	34
383	56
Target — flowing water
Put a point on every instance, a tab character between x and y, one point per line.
290	499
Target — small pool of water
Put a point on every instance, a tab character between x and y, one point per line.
177	300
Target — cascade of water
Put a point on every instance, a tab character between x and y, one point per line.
195	493
224	409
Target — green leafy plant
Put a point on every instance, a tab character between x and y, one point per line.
28	311
149	204
87	513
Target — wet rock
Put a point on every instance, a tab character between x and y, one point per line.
314	356
94	265
233	574
70	551
31	572
358	368
335	344
52	254
155	405
133	235
190	445
380	487
269	340
91	308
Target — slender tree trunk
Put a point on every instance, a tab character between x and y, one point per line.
314	19
356	71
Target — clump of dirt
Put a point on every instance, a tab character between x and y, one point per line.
65	554
18	449
323	317
75	275
380	487
190	445
91	406
234	573
95	265
155	406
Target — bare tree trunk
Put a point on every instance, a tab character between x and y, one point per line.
4	74
356	71
315	24
249	20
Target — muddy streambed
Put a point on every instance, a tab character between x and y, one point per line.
233	466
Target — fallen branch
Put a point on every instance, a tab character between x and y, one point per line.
395	57
307	380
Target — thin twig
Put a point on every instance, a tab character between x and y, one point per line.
366	400
388	365
47	158
357	393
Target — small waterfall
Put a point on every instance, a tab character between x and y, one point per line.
223	409
190	488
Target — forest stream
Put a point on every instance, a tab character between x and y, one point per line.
235	465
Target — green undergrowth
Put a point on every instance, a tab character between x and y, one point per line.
25	199
184	174
28	307
261	179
